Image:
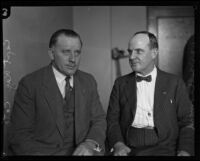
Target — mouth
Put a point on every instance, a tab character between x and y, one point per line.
70	66
133	63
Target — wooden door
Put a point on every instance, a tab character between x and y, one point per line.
173	26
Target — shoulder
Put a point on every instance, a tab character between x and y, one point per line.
85	78
35	76
170	78
84	75
167	75
125	78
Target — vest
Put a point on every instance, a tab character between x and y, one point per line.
69	131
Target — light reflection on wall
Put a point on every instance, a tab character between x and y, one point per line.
9	86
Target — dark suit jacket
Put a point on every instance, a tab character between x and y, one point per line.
37	121
173	117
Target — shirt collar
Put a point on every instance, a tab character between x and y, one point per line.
61	77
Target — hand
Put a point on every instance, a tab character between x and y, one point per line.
84	149
120	149
183	153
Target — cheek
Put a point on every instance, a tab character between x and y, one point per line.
62	58
59	60
147	59
78	60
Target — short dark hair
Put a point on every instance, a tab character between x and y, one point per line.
153	42
66	32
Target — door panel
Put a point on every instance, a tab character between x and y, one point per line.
173	25
173	34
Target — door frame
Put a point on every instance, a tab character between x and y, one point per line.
156	12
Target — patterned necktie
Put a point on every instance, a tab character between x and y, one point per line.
67	88
147	78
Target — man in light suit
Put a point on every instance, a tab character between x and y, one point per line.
57	110
149	112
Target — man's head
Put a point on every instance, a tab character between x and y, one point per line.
65	51
142	49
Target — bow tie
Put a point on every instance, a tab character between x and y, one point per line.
147	78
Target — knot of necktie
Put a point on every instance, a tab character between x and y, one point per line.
67	82
67	78
147	78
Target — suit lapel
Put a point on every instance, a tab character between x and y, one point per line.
54	98
130	90
80	101
161	91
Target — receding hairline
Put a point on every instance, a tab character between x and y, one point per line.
153	42
133	36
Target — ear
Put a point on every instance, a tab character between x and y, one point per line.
51	53
154	53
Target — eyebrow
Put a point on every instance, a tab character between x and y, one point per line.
137	49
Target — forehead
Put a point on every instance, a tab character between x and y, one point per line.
64	40
139	41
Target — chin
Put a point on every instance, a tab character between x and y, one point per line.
71	72
134	69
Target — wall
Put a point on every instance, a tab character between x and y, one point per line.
126	20
93	24
102	28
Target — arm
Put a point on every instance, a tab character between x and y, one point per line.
96	135
185	120
22	121
97	131
114	134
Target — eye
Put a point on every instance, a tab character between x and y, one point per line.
139	51
130	51
77	52
67	52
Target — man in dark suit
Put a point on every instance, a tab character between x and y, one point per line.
57	110
149	112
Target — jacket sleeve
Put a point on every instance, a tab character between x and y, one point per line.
114	133
97	131
185	119
22	122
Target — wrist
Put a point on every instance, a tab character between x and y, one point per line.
183	153
94	145
118	144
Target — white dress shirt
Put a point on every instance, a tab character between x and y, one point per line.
60	79
145	101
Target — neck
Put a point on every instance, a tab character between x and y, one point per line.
150	69
56	67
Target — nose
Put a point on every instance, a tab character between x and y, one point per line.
72	57
132	55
